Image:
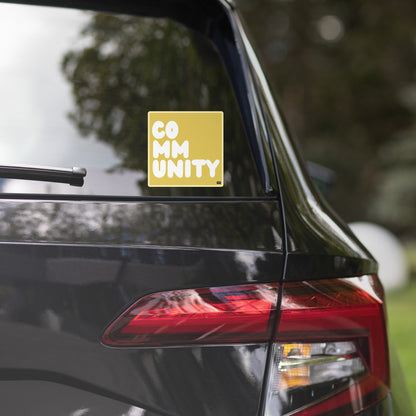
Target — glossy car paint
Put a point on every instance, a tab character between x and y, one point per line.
64	278
59	296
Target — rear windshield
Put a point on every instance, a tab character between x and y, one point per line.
76	88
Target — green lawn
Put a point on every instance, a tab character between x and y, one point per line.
401	310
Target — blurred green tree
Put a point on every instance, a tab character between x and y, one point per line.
342	70
395	202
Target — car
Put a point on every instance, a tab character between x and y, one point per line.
163	249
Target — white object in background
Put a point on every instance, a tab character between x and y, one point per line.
387	250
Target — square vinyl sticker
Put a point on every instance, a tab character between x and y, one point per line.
185	148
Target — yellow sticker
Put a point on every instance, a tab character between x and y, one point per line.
185	148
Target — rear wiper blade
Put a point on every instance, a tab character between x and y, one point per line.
73	176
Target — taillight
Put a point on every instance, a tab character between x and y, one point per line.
230	314
330	354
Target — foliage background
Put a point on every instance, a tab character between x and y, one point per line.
344	74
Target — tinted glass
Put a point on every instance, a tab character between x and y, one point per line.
76	88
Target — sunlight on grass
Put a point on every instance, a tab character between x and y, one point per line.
401	309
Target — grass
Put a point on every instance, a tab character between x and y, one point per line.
401	310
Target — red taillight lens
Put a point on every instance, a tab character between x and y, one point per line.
232	314
331	349
329	353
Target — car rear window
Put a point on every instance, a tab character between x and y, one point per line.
77	86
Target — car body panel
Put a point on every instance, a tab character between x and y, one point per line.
58	297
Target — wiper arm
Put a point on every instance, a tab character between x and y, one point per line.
74	176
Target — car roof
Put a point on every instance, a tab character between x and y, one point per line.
196	14
153	8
